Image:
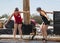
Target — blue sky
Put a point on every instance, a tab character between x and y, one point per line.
8	6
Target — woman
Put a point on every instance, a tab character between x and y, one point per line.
45	20
17	22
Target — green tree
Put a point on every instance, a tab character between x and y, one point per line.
4	16
37	18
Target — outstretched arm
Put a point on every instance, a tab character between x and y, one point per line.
24	11
9	19
49	12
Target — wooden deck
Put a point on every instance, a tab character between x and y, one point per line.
25	41
28	37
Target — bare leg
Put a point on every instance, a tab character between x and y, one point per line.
14	31
44	31
20	30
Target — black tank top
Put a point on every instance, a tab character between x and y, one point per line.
43	18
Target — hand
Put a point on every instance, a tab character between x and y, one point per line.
28	11
49	19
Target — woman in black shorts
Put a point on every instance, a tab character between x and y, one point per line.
46	22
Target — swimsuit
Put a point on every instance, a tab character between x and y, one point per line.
18	18
45	20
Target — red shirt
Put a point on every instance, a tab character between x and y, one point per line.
18	18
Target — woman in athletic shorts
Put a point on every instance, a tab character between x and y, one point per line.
17	22
45	20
